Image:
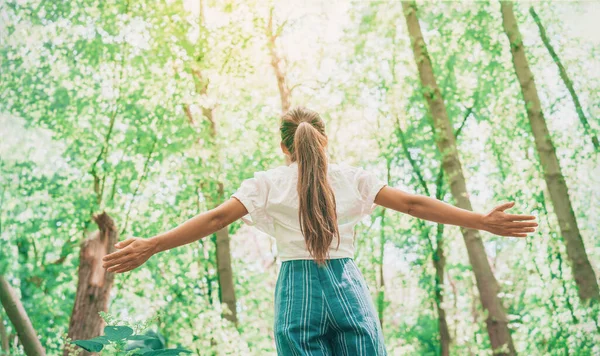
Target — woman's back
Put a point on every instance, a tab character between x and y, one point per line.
271	198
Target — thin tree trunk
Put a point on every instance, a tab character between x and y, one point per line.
95	283
438	257
381	289
222	241
3	336
221	237
497	321
582	270
277	62
18	317
439	263
227	290
565	77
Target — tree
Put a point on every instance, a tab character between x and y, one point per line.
3	336
278	63
566	79
222	240
497	321
94	283
582	270
18	316
438	257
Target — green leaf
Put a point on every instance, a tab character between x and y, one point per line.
88	345
116	333
141	337
172	352
142	350
101	339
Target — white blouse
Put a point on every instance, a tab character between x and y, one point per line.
271	198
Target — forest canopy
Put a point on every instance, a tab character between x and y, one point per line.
126	118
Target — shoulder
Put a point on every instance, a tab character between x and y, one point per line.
278	171
346	170
273	175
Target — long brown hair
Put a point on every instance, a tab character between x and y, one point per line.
303	134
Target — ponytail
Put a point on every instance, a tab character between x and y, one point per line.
317	207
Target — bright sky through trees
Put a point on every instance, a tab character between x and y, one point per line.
153	114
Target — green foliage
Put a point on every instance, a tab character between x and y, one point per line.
116	338
94	116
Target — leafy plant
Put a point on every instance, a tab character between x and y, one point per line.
117	338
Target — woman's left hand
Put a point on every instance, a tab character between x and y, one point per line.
132	254
500	223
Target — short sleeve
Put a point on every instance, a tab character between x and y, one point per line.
253	194
368	185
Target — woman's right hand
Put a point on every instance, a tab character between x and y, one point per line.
500	223
133	253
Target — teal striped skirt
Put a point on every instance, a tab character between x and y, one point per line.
325	310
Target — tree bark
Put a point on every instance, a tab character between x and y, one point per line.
566	79
224	268
3	336
95	283
496	321
277	62
227	290
582	270
18	317
439	263
438	257
381	289
222	241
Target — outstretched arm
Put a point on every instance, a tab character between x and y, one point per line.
135	251
496	221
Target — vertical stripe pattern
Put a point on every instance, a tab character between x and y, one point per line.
325	310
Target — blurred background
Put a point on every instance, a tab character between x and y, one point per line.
126	118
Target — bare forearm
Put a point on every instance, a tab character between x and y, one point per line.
496	221
435	210
192	230
134	251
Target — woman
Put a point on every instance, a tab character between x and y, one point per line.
322	303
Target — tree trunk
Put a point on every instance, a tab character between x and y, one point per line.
285	94
381	289
497	321
95	283
3	336
222	241
221	238
437	254
582	270
227	290
439	263
18	317
565	77
224	269
278	64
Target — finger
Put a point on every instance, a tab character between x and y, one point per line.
515	217
113	268
116	255
504	206
518	235
518	225
125	268
118	261
522	231
124	243
121	267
